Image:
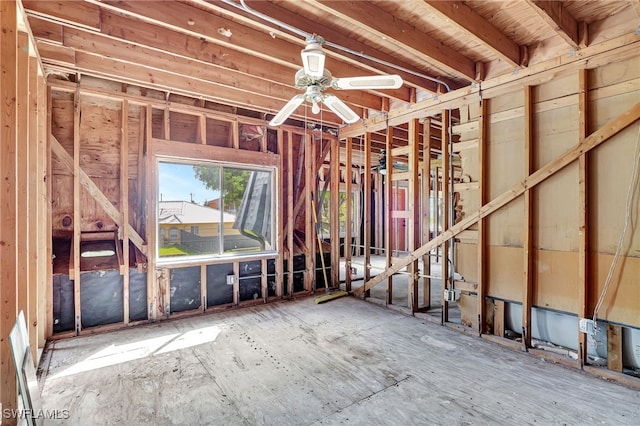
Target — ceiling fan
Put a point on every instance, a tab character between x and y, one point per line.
313	78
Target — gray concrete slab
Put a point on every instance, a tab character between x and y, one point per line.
297	363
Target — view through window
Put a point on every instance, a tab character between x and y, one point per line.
209	210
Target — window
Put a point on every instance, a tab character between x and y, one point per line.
214	210
173	233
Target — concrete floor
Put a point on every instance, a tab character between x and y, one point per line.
297	363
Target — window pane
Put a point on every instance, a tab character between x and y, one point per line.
249	196
210	210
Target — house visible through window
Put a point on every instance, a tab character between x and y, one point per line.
212	210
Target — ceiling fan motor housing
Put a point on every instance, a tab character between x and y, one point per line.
303	80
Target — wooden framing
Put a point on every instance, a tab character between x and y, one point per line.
28	143
348	179
77	215
334	217
279	238
583	219
290	220
153	294
610	129
124	205
426	183
446	211
413	221
527	291
309	229
368	185
8	199
388	234
482	199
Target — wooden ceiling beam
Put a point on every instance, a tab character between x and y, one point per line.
78	13
110	68
209	28
99	44
401	34
330	35
557	17
475	26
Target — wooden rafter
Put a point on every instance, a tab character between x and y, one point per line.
557	17
477	27
333	36
610	129
402	34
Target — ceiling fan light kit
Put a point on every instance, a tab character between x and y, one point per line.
313	78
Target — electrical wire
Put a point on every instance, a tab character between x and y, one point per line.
628	217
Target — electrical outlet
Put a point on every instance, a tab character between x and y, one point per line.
450	295
586	325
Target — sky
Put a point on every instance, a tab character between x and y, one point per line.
178	181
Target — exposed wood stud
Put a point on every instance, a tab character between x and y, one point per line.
77	211
614	347
482	199
498	318
413	208
368	189
43	228
281	204
153	296
203	288
47	136
312	183
124	204
426	183
334	217
608	130
528	272
264	283
309	234
387	181
8	200
583	219
236	283
349	214
290	224
22	218
446	211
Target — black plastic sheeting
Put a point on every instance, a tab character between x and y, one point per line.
250	280
101	298
218	292
137	295
185	289
63	304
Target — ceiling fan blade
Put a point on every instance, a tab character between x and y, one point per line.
313	60
287	110
340	108
392	81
